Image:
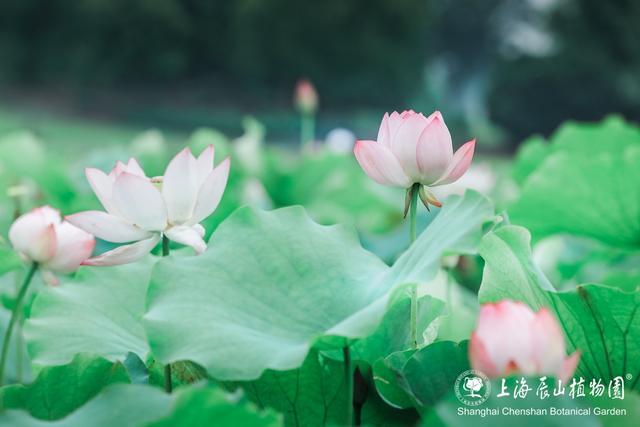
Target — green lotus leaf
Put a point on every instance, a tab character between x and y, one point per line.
99	312
586	185
274	284
59	390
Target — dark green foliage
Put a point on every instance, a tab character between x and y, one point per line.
345	47
593	70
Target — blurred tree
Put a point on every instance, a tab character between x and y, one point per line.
359	50
346	47
93	41
462	49
591	69
524	65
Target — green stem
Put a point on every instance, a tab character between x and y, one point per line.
348	378
307	130
414	316
168	387
15	314
414	289
165	246
412	212
19	349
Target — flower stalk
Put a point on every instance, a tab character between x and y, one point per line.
15	314
348	378
168	387
413	208
307	130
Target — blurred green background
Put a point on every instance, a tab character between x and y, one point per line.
500	70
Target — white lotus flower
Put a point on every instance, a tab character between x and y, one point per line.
140	210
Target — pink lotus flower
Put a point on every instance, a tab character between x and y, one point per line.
306	97
510	338
142	210
414	149
57	246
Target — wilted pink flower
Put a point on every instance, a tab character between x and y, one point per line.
306	97
141	210
412	148
57	246
510	338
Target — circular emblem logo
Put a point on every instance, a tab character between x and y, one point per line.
472	387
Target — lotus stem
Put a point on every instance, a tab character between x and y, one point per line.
348	378
168	387
412	212
307	130
15	314
413	323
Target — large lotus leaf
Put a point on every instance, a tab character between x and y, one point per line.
611	134
375	412
569	260
315	395
600	321
203	405
431	371
529	156
120	404
270	284
580	139
135	405
273	284
588	186
99	312
58	390
420	377
387	379
312	395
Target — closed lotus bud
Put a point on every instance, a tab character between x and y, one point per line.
42	236
306	97
510	338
